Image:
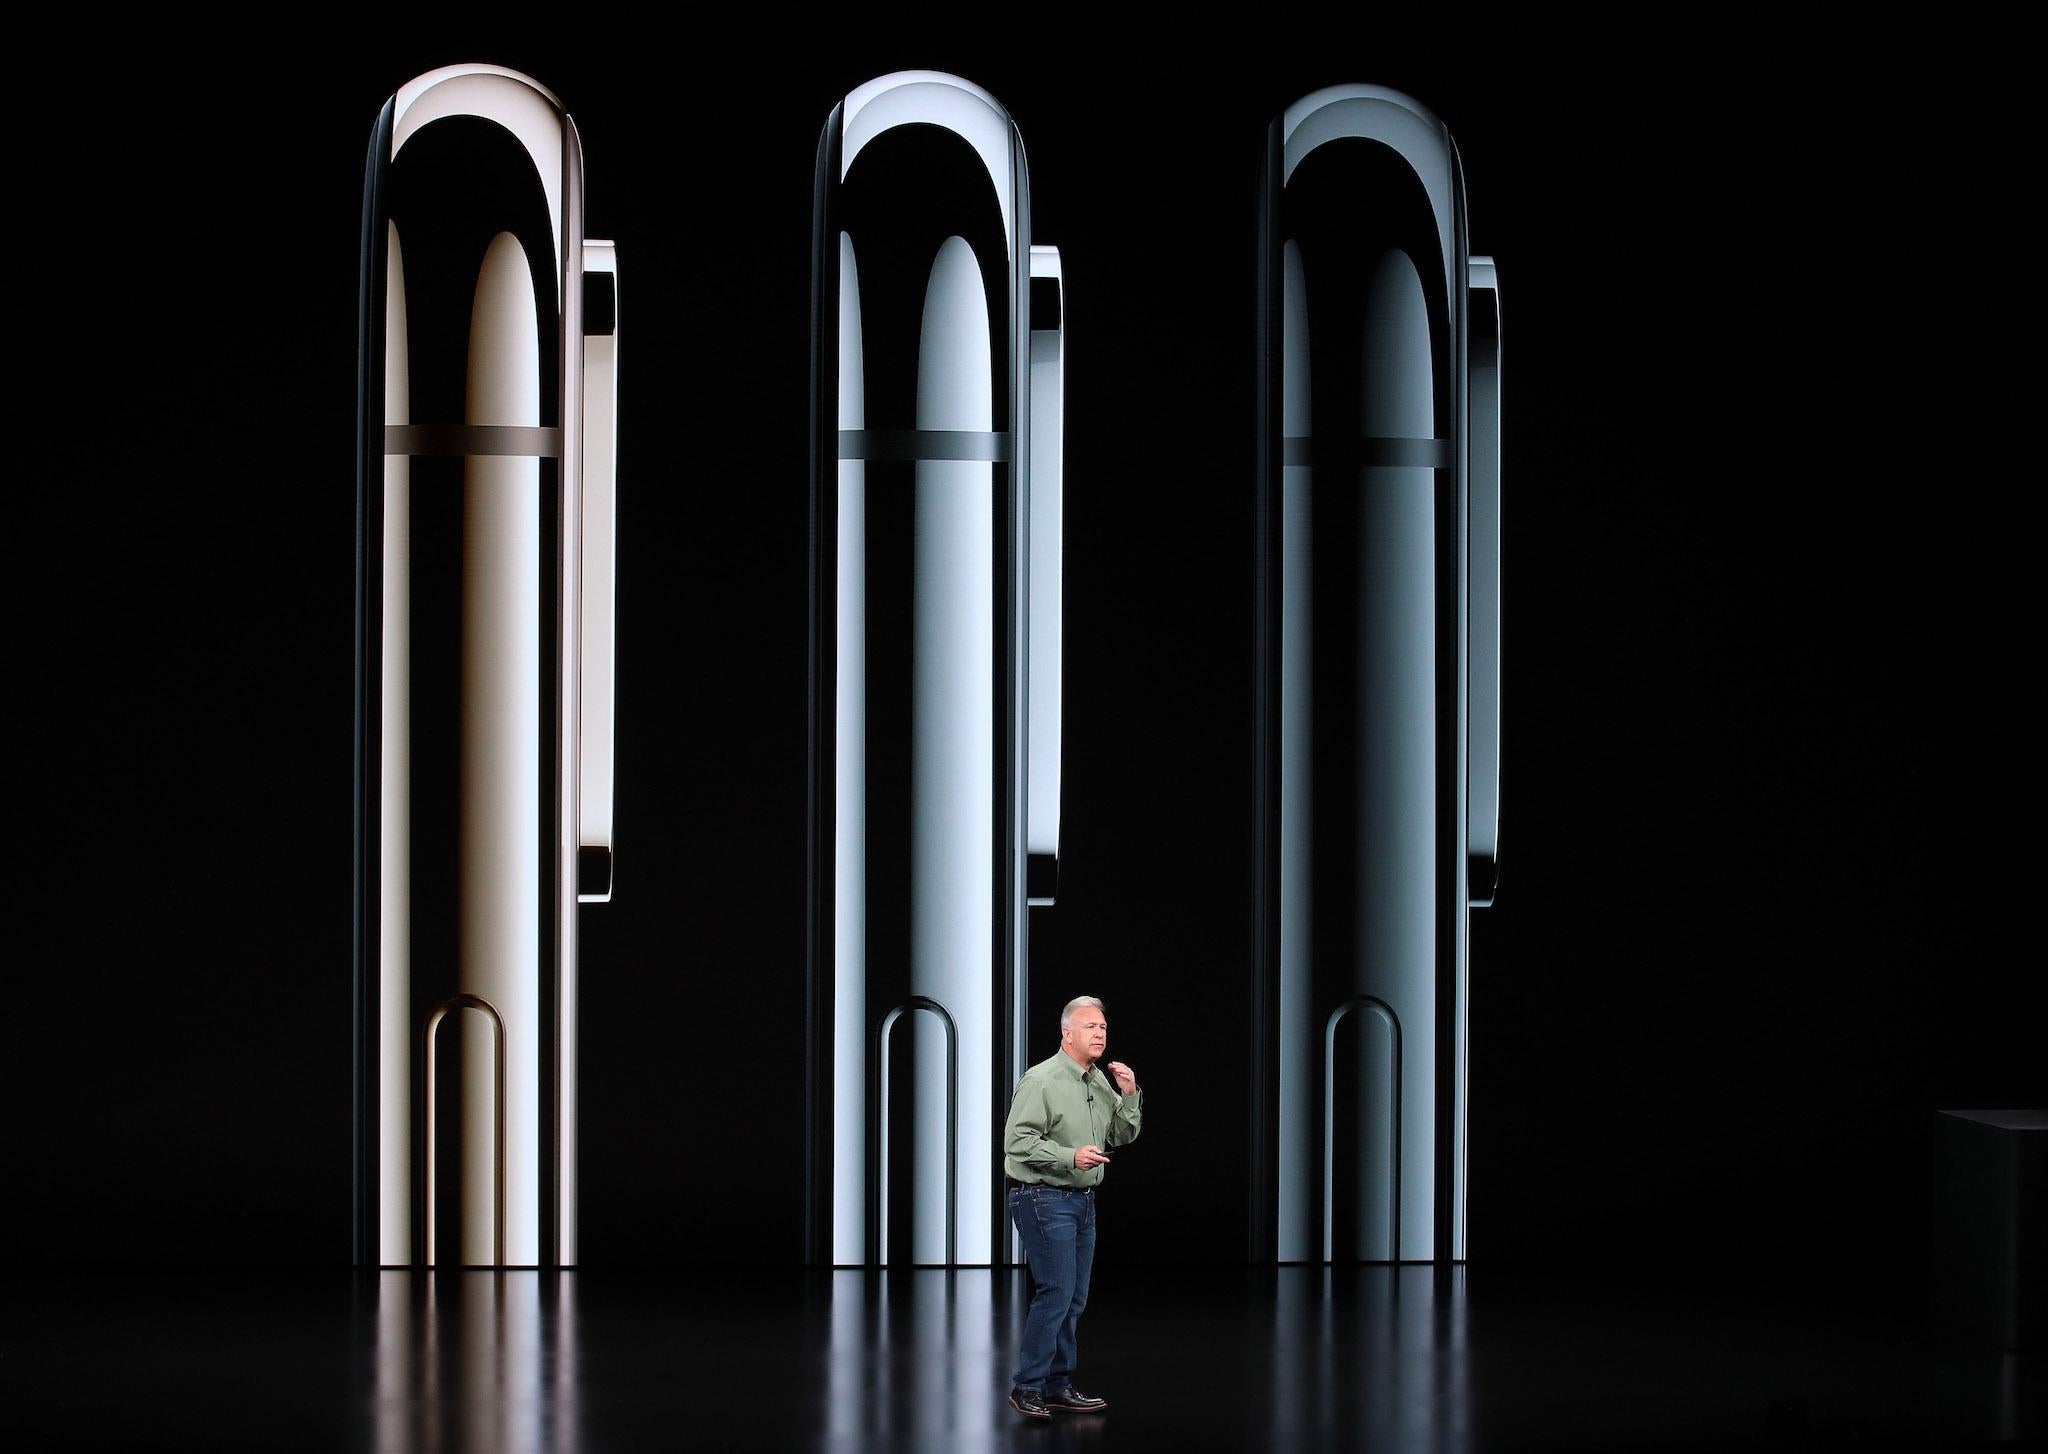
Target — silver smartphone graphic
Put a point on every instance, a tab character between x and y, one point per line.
1377	786
928	799
488	337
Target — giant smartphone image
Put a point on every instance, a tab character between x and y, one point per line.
934	644
1377	727
483	744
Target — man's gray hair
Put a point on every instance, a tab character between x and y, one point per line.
1076	1003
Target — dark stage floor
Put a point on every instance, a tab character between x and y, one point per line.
1197	1358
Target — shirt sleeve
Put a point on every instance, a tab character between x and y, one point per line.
1125	1119
1025	1138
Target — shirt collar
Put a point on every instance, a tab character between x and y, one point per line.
1073	1066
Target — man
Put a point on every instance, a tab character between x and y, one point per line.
1064	1115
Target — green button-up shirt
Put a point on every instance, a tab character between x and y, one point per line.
1060	1108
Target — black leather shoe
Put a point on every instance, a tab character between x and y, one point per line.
1070	1400
1029	1402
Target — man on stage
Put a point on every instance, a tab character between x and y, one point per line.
1062	1121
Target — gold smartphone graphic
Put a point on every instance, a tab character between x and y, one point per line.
485	506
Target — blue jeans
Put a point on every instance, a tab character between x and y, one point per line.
1056	1224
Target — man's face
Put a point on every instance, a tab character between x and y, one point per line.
1086	1035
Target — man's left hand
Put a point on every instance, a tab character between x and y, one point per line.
1126	1078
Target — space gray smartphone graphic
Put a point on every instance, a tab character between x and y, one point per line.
1377	716
934	647
488	336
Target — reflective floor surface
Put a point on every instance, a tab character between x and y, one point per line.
1196	1358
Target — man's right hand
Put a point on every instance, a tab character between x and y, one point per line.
1087	1156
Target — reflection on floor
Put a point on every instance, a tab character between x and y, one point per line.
1198	1358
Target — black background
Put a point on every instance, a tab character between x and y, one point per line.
1771	311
